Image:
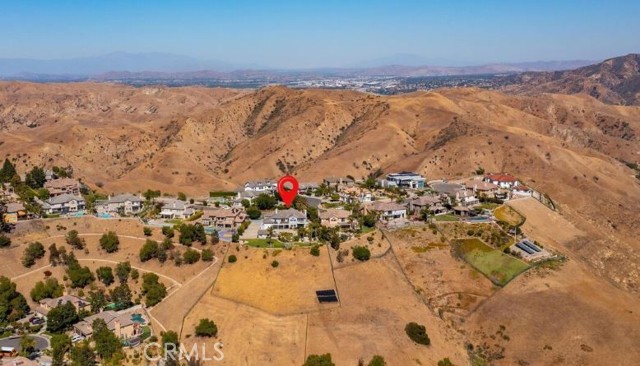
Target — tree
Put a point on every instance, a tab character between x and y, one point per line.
74	240
275	264
149	195
207	255
361	253
97	300
7	172
265	201
27	345
191	256
61	318
107	344
110	242
319	360
369	220
33	252
315	251
121	296
153	290
149	250
35	178
79	276
206	328
254	213
82	355
182	196
445	362
233	258
54	255
105	275
215	237
123	269
169	337
4	241
235	237
147	231
134	274
60	345
377	360
13	305
49	289
168	231
417	333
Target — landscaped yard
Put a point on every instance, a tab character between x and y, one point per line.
275	243
508	215
446	217
497	266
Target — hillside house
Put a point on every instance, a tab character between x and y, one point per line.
466	198
522	191
176	209
122	323
62	186
339	182
355	194
503	180
387	210
289	219
480	187
45	305
14	212
335	218
261	186
126	204
223	218
433	203
63	204
404	180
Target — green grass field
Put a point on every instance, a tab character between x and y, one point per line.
446	217
275	243
497	266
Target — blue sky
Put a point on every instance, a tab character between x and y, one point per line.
301	34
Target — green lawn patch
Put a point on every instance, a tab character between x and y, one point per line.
366	229
497	266
446	217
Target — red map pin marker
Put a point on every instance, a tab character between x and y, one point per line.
288	195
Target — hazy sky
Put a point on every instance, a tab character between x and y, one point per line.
307	33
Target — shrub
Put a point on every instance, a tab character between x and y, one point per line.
109	242
149	250
168	231
233	258
275	264
48	289
4	241
361	253
417	333
445	362
319	360
206	328
207	255
315	251
254	213
74	240
191	256
377	360
147	231
33	251
105	275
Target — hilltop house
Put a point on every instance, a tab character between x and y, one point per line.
339	182
503	180
404	180
480	187
176	209
289	219
62	186
14	212
223	218
335	218
430	202
387	210
260	186
63	204
122	323
522	190
466	198
126	204
45	305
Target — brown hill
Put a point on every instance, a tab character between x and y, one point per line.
197	139
613	81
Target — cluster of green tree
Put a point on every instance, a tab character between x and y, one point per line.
104	346
417	333
57	256
120	296
62	318
319	360
361	253
191	256
151	249
47	289
35	178
190	233
123	271
207	255
105	275
168	232
206	328
26	191
376	360
13	305
109	242
32	252
265	201
72	238
153	290
78	275
149	195
8	172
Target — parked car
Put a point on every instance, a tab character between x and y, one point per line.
76	338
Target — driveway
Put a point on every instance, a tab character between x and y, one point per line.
41	342
252	230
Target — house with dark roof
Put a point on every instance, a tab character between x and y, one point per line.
176	209
404	180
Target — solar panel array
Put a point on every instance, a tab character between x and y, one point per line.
528	247
327	296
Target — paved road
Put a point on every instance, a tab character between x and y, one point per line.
41	342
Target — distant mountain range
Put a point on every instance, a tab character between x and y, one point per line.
613	81
167	66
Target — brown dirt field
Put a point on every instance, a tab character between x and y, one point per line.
377	247
376	304
250	336
288	289
450	286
